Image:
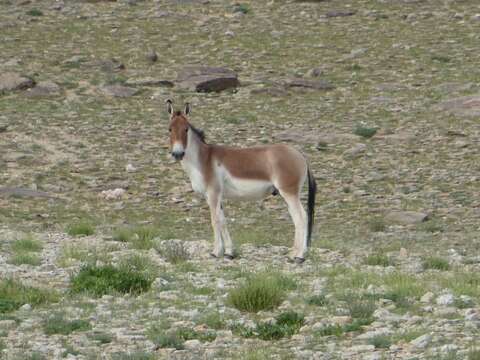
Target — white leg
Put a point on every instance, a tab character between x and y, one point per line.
214	203
225	234
299	216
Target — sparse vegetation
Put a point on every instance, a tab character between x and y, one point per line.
25	258
437	263
377	224
381	342
318	300
174	251
14	294
26	244
164	338
58	324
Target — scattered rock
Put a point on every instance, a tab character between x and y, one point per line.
130	168
152	56
113	194
44	88
272	91
406	217
149	81
315	72
355	152
119	91
340	13
422	342
192	344
111	65
13	81
467	106
22	192
207	79
3	127
310	84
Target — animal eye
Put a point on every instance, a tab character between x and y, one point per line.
169	129
186	130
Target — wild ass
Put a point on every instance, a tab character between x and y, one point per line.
219	172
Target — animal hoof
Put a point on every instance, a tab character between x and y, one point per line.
229	257
298	260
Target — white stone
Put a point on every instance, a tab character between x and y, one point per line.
427	297
26	307
445	299
130	168
112	194
192	344
422	342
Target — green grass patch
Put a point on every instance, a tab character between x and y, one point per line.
27	244
378	260
435	262
14	294
34	12
462	283
380	341
317	300
58	324
108	279
285	325
365	132
81	228
360	308
140	237
242	8
25	258
261	291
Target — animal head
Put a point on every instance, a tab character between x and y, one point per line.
178	128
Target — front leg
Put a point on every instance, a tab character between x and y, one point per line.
215	205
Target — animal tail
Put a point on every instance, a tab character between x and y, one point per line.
312	191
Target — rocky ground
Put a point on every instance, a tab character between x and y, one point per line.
383	98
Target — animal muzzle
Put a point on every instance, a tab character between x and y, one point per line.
178	155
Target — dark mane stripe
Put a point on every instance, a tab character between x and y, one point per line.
199	133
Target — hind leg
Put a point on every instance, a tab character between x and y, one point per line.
299	218
216	214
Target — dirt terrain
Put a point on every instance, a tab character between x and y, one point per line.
383	98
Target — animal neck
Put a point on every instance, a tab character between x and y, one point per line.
196	150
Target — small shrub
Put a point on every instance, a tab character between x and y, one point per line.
26	244
25	258
318	300
2	345
34	12
366	132
101	337
380	342
101	280
261	291
35	355
165	339
82	228
243	8
357	324
432	226
286	324
190	334
361	308
14	294
378	260
122	235
175	252
330	330
436	263
57	324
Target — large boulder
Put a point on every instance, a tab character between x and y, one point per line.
207	79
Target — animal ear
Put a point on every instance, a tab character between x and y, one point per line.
187	108
169	106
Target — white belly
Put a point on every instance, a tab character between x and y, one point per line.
246	189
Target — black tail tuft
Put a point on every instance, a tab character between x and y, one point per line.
312	190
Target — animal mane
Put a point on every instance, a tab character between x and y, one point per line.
199	133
